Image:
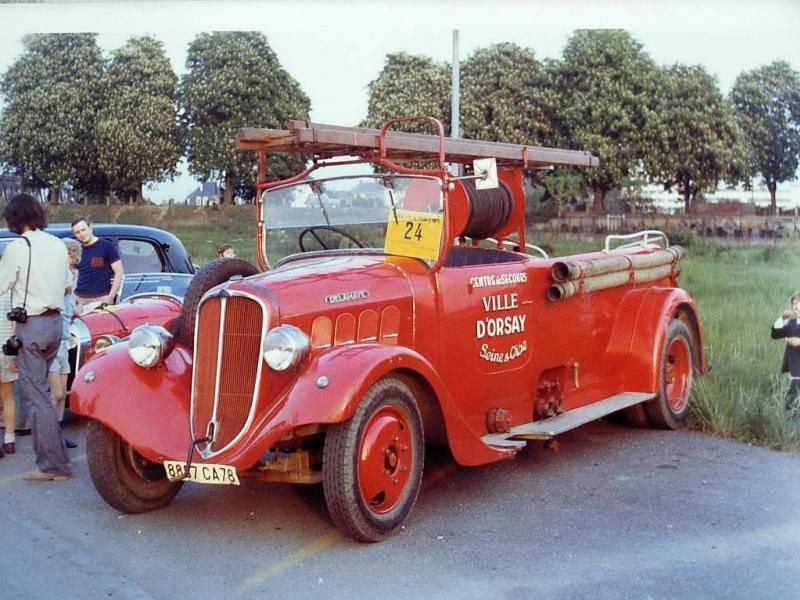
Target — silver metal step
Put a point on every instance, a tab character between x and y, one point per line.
549	428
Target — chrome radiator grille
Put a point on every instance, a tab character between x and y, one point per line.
227	365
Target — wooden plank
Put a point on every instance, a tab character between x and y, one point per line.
332	140
549	428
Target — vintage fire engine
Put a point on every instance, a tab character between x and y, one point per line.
392	309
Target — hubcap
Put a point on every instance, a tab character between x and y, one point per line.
385	459
678	373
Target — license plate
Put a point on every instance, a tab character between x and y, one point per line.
202	473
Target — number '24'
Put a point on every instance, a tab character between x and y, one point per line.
412	232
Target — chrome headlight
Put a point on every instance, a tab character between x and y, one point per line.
285	347
79	334
149	345
104	341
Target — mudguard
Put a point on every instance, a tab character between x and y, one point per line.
638	334
149	408
350	370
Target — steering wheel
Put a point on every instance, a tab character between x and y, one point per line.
313	232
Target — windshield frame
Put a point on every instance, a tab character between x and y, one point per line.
264	228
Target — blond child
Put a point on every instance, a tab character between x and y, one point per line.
60	369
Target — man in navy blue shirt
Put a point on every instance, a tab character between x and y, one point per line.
100	270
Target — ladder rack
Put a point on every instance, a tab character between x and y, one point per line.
328	141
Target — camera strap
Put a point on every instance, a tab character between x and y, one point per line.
27	277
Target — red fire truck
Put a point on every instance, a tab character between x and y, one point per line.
392	308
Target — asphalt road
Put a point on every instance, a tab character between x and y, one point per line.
614	513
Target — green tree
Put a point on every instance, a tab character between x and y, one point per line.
503	96
697	141
605	100
562	185
137	127
409	86
234	80
767	105
52	97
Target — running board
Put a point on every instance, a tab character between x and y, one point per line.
551	427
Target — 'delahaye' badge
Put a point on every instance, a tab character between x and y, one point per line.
346	296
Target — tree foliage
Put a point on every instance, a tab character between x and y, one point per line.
235	80
697	141
137	129
605	101
767	105
52	94
409	86
562	185
503	96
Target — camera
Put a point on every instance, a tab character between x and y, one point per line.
18	314
12	345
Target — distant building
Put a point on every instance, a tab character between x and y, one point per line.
787	198
207	194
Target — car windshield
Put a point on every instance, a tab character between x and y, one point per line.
345	212
174	284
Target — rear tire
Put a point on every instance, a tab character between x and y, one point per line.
372	464
123	478
670	408
636	416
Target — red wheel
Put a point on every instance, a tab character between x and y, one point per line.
372	464
678	373
386	459
671	407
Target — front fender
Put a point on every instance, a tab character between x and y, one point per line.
352	369
638	335
147	407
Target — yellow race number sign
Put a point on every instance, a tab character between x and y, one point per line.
414	234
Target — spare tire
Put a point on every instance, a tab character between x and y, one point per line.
210	275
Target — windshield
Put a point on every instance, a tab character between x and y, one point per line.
174	284
351	212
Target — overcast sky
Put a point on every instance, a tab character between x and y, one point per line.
334	49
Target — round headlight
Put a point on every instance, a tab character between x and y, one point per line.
149	345
104	341
285	347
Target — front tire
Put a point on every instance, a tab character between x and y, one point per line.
670	408
372	464
123	478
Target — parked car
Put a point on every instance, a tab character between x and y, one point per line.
153	298
142	249
393	309
158	270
